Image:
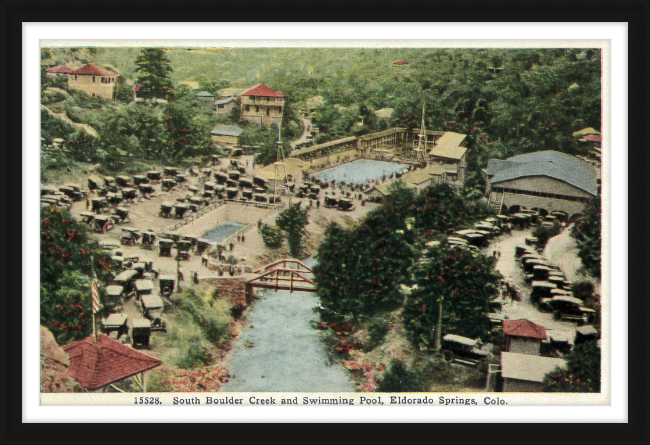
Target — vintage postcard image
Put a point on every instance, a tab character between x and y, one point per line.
317	224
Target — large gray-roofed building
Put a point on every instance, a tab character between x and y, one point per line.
547	180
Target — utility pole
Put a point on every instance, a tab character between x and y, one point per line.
437	344
178	272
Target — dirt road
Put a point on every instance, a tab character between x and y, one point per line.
511	270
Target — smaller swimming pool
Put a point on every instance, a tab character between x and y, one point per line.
222	231
360	172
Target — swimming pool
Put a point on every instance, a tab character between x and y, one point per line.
222	231
359	172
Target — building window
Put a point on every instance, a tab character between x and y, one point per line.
248	108
220	106
75	78
93	78
257	109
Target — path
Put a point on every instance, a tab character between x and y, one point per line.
303	138
87	128
562	250
280	351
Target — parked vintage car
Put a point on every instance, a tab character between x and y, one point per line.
165	247
143	287
167	285
456	348
126	279
141	332
115	325
152	308
114	297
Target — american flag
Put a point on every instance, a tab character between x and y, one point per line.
95	292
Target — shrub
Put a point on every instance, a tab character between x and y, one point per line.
377	329
272	236
195	356
399	379
237	311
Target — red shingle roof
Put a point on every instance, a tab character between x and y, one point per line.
95	365
524	328
59	69
137	88
92	70
400	62
593	137
263	90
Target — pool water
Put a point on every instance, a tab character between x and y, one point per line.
222	231
359	172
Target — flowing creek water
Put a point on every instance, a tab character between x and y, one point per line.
280	351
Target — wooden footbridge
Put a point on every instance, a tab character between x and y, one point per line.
287	274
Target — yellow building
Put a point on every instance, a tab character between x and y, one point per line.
278	173
263	106
93	81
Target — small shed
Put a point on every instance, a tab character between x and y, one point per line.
523	336
228	134
97	365
204	96
525	372
225	106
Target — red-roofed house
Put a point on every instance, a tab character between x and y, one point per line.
98	365
262	105
59	70
523	336
93	81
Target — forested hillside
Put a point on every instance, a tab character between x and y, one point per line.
534	101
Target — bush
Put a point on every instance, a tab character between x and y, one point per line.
543	234
237	311
377	330
195	356
399	379
272	236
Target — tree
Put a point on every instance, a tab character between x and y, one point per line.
272	236
66	252
440	208
153	68
463	283
293	221
582	373
398	378
588	235
360	269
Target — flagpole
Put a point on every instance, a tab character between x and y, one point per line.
92	296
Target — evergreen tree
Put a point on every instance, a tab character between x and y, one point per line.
293	221
153	71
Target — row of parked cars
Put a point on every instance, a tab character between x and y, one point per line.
62	196
551	291
137	279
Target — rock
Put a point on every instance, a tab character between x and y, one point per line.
54	363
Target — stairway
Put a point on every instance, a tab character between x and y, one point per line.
496	201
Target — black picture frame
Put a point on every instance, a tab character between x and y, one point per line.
635	13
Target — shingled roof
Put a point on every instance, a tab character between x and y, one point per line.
264	91
524	328
95	365
92	70
552	164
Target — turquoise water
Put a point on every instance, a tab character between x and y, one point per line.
279	350
222	231
359	172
